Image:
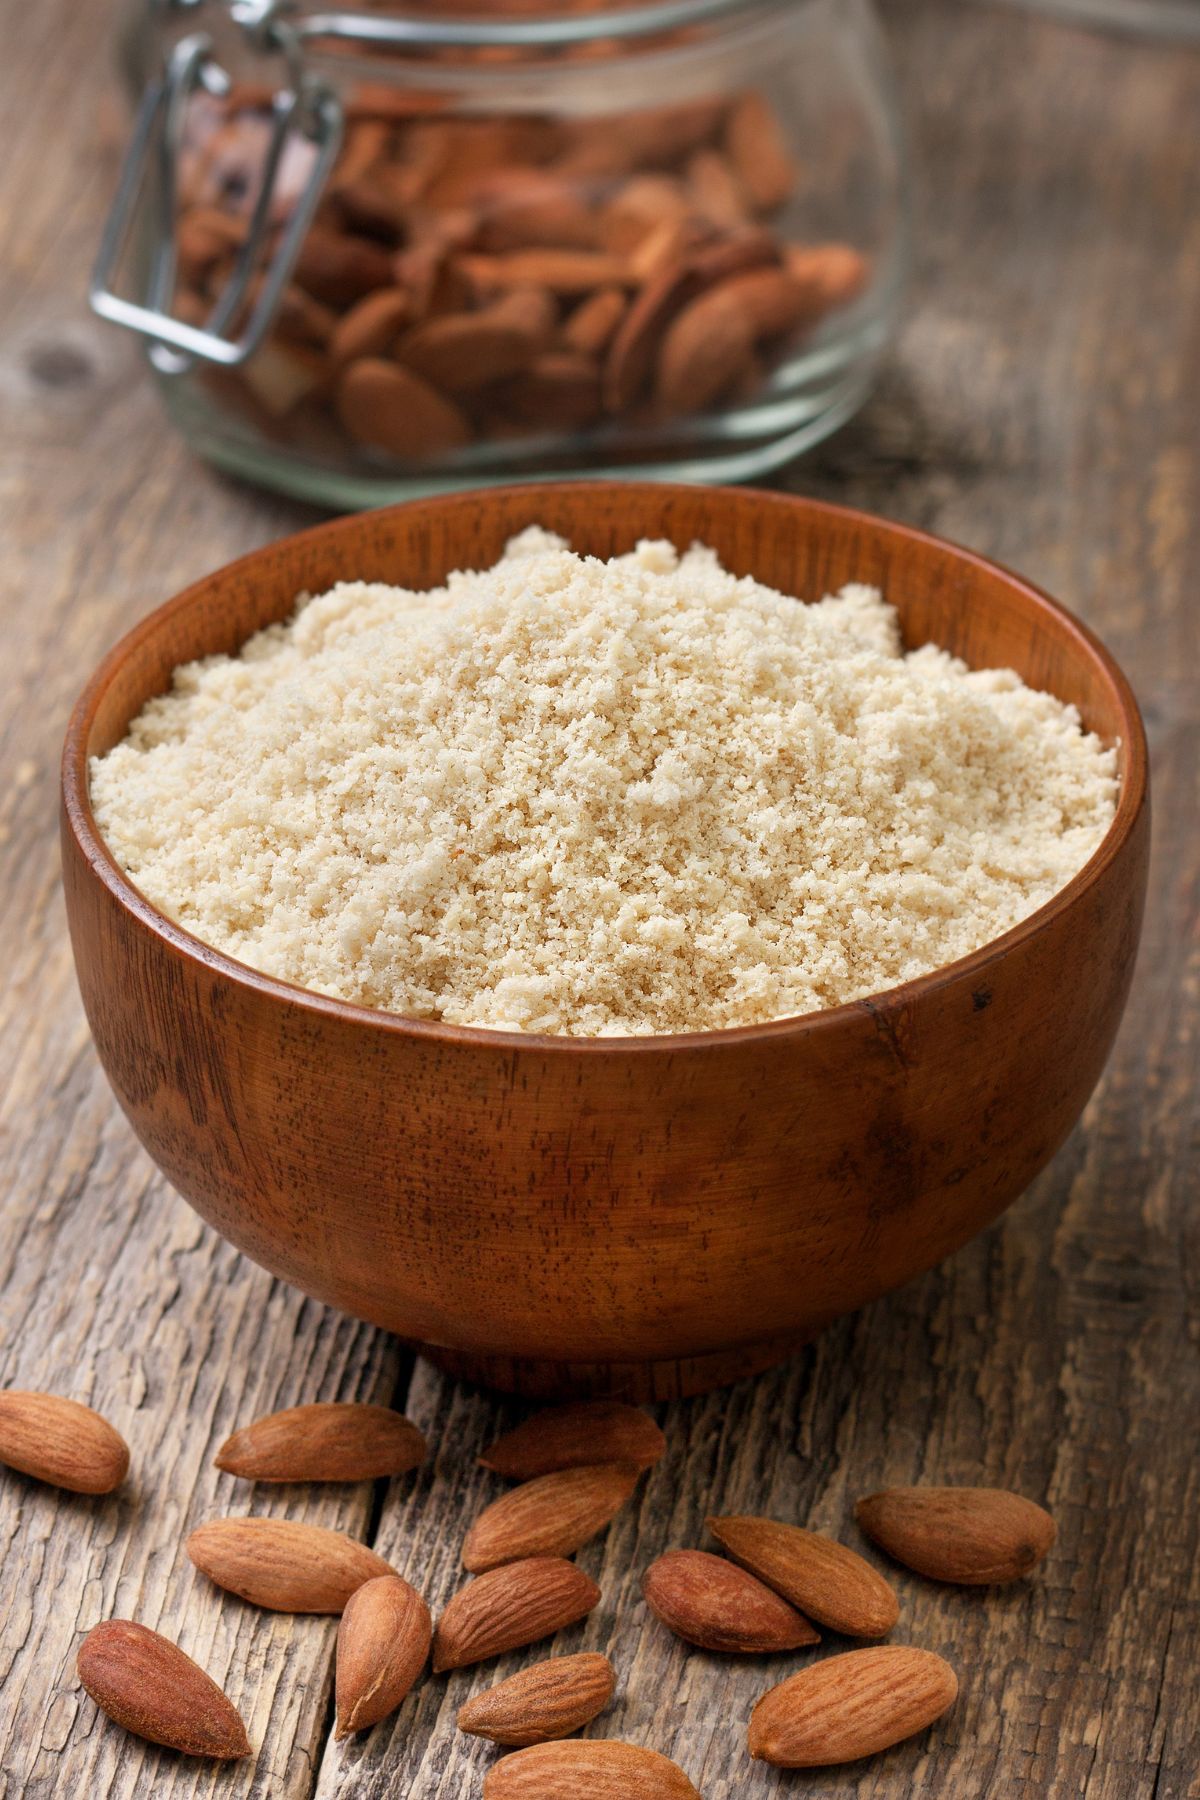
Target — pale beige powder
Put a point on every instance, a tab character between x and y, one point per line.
564	795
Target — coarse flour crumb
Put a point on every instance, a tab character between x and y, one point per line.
566	795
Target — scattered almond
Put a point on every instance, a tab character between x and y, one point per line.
597	1769
718	1606
327	1441
831	1584
382	1645
547	1701
551	1515
61	1442
145	1683
580	1433
283	1564
974	1536
850	1706
516	1604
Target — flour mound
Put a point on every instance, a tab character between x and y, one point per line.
574	796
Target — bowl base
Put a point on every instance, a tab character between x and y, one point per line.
639	1382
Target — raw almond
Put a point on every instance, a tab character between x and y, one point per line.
382	1645
372	326
280	375
562	271
550	1700
598	1769
759	154
283	1564
549	1516
851	1706
715	191
61	1442
832	1584
579	1433
705	350
974	1536
560	390
510	1606
716	1605
461	352
327	1441
338	268
772	300
146	1683
392	409
590	327
831	274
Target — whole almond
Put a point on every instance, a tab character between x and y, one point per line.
832	1584
716	1605
339	268
562	271
705	349
831	274
548	1701
382	1645
579	1433
61	1442
974	1536
146	1683
590	327
392	409
759	154
327	1441
773	301
716	193
560	390
372	326
283	1564
460	352
851	1706
596	1768
549	1516
508	1607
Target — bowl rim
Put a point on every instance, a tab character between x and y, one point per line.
79	818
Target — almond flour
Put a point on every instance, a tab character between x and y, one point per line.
572	796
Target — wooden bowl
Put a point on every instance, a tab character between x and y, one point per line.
641	1216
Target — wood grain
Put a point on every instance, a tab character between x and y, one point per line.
1041	406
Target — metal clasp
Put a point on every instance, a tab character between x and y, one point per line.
303	105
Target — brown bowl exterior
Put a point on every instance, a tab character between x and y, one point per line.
644	1215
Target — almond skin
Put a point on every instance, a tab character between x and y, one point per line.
61	1442
601	1770
146	1683
851	1706
392	409
548	1701
973	1536
552	1515
382	1646
825	1580
511	1606
328	1441
717	1606
283	1564
573	1436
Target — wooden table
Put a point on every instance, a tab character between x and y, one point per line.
1044	406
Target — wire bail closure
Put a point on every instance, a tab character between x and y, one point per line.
301	105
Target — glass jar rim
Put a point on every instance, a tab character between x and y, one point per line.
418	31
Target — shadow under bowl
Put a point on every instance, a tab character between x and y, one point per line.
639	1216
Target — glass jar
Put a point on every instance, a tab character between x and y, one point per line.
406	250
